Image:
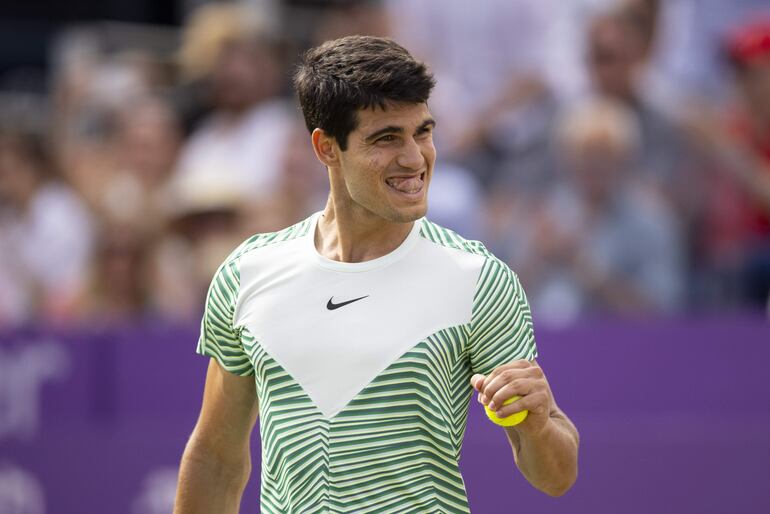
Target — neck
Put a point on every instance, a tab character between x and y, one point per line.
348	233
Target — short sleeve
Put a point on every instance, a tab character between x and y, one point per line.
501	324
219	339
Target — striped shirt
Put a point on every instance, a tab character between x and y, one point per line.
362	369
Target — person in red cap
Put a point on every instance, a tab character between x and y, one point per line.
736	228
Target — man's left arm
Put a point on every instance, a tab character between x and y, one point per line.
545	444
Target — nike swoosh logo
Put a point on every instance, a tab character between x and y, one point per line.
331	305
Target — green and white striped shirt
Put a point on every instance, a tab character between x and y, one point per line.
362	369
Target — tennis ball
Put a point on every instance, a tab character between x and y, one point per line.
509	421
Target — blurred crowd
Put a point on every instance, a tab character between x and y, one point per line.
616	153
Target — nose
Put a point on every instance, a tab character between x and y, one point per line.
411	156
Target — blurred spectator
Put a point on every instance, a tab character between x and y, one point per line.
205	222
687	59
619	44
601	242
144	148
735	234
121	177
46	233
90	86
302	188
118	289
593	208
456	201
244	138
340	18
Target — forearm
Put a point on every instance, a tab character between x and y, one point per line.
548	459
208	483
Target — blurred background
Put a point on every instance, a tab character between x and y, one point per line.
616	153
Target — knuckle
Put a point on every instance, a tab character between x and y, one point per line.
536	372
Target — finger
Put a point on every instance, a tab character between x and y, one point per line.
517	364
512	408
477	380
518	387
503	377
535	403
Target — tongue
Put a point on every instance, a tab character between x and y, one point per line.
406	184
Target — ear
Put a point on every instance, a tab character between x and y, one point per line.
326	148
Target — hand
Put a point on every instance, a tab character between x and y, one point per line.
518	378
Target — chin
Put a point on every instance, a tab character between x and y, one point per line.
409	214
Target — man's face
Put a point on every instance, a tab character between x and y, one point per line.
388	164
245	73
612	60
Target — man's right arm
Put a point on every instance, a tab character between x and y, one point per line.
217	461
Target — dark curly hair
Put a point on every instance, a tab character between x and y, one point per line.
339	77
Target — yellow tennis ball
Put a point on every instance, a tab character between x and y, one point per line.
509	421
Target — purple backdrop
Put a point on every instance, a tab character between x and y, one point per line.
674	416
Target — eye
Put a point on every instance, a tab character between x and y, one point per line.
424	132
388	138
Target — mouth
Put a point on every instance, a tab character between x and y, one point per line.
407	185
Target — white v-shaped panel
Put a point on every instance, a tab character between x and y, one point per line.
335	353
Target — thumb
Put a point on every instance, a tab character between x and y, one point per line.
477	380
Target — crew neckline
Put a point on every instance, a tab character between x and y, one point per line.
355	267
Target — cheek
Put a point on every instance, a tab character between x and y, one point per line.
362	175
430	153
372	166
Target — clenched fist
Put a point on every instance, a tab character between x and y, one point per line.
518	378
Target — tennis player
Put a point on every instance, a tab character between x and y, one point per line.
359	334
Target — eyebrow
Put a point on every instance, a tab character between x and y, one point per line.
392	129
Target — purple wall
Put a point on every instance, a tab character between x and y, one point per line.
674	417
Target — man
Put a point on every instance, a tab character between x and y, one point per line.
358	333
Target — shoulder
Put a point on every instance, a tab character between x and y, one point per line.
492	271
470	255
267	239
451	240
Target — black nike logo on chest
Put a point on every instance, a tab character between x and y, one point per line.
331	305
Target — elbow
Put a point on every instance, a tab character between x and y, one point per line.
231	467
558	488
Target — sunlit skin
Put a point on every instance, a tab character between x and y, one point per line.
379	183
